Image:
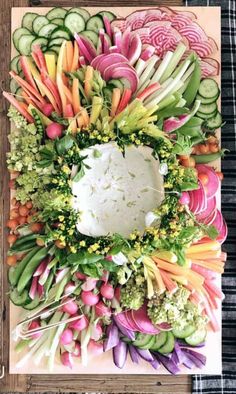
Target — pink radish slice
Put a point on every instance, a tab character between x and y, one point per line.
142	321
194	33
107	25
111	59
213	181
147	52
135	49
209	67
131	321
211	206
121	318
117	39
164	327
118	23
125	44
223	233
218	221
123	71
199	199
95	62
210	219
144	34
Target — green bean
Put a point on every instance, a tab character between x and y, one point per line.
207	158
15	272
193	86
30	268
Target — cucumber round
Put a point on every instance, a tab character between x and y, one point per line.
207	100
208	88
144	341
185	332
17	298
108	14
56	41
207	108
39	22
55	48
25	44
95	23
74	22
60	32
58	21
18	33
214	123
169	345
47	30
197	337
81	11
91	35
57	12
43	42
206	116
13	86
28	19
14	65
160	340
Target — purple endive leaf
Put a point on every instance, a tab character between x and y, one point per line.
33	288
155	363
196	356
168	364
40	269
145	354
128	333
134	354
112	339
120	354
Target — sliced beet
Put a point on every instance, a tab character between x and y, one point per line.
210	207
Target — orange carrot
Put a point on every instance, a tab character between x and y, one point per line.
85	116
75	61
73	126
69	54
159	280
211	254
75	95
170	267
68	94
203	247
116	95
80	121
168	282
61	92
87	81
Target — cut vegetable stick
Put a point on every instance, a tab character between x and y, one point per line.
148	91
213	321
204	255
213	267
194	277
17	105
73	126
80	121
223	256
69	54
61	92
75	61
68	94
180	279
159	280
116	95
48	94
85	116
75	95
126	96
26	85
87	81
69	111
170	267
214	289
215	261
203	247
168	282
209	274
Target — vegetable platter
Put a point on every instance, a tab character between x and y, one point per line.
115	228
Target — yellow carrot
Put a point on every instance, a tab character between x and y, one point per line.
87	81
170	267
75	61
166	255
204	255
204	247
75	95
116	95
69	54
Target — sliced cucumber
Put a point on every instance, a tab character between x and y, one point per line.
144	341
214	123
95	23
55	48
108	14
160	340
185	332
17	298
43	42
28	19
14	65
81	11
207	108
39	22
57	12
47	30
58	21
168	345
207	100
18	33
208	88
56	41
13	86
197	337
206	116
74	22
60	32
32	304
91	35
25	44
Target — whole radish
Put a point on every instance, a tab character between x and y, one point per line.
77	350
107	291
89	284
102	310
184	199
79	324
96	332
95	348
34	325
66	359
66	337
54	130
47	109
80	276
70	288
70	307
89	298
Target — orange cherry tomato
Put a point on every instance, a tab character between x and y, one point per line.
36	227
189	162
59	244
12	224
23	210
11	260
29	205
22	220
204	148
14	213
220	175
211	139
203	178
214	148
11	238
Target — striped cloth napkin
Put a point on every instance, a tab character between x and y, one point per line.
226	383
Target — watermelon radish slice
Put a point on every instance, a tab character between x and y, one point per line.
197	199
121	318
142	321
131	321
213	184
164	327
210	219
210	207
218	221
223	233
172	124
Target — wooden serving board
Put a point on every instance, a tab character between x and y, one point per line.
209	19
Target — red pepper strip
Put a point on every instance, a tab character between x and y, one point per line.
41	59
126	96
27	72
17	105
27	86
148	91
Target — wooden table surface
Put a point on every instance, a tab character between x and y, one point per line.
63	383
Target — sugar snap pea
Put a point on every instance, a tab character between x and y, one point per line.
30	268
21	241
193	85
204	159
14	273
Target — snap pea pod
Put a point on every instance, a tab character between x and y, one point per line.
193	85
21	241
14	273
48	283
22	248
207	158
28	271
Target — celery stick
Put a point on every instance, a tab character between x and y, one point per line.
185	85
149	70
177	87
55	342
96	109
166	102
140	66
162	67
188	72
178	53
29	354
158	92
181	103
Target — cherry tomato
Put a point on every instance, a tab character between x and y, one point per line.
220	175
23	210
190	162
214	148
183	157
59	244
14	213
203	178
36	227
40	242
12	224
29	205
11	260
204	148
11	238
212	139
12	184
22	220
